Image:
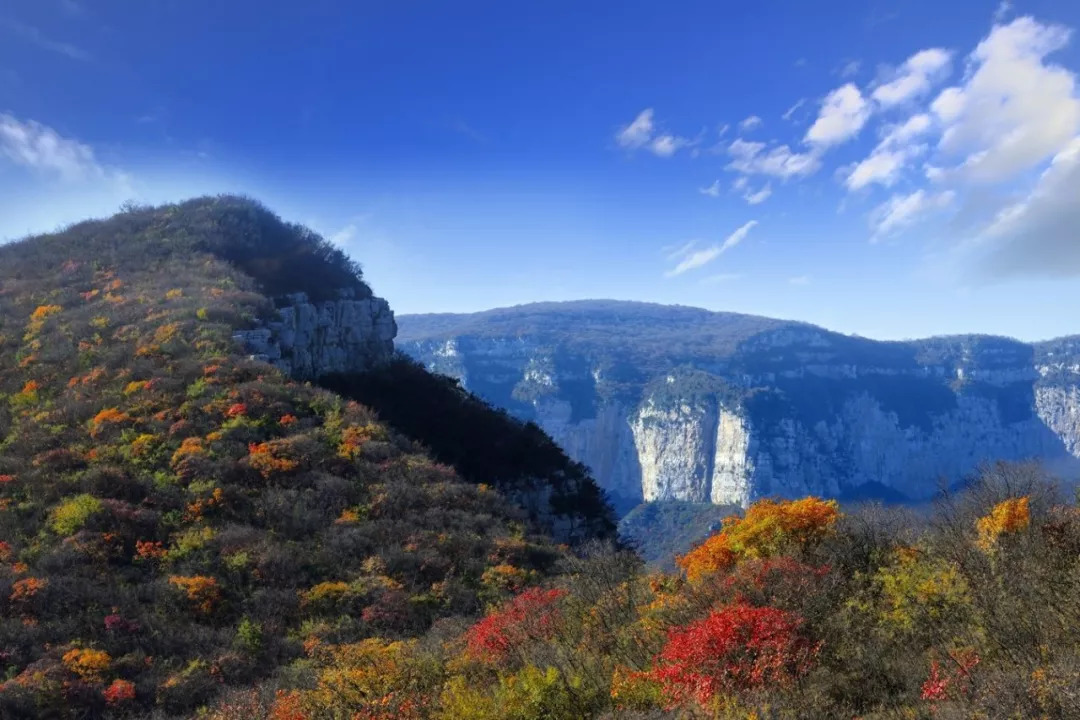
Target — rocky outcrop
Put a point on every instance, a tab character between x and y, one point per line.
784	410
309	339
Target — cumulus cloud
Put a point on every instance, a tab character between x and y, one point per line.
843	114
690	258
1014	110
888	159
914	78
901	211
751	123
641	133
781	162
1039	235
39	148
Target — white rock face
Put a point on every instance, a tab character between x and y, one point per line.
842	427
310	339
675	447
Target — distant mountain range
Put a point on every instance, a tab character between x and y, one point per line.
680	403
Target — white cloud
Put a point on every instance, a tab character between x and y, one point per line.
712	190
344	235
691	259
740	183
673	252
41	149
641	134
843	114
666	145
751	123
719	278
738	236
901	211
1040	235
793	109
780	161
850	68
1002	11
694	260
638	133
799	280
1014	110
914	78
889	158
881	167
756	198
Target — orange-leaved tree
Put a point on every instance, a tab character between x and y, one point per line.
769	528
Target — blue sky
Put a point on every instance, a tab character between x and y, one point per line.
892	169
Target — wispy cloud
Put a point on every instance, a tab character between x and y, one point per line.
751	123
344	235
720	278
850	68
793	109
32	35
40	148
738	236
72	8
641	133
1002	11
799	280
712	190
756	198
900	211
48	154
751	158
463	128
692	258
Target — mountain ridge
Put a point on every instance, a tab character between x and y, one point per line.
689	404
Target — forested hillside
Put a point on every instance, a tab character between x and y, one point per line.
175	518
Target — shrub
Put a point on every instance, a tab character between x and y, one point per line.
735	648
71	514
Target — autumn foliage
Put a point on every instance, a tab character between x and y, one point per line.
530	616
732	649
768	528
1008	516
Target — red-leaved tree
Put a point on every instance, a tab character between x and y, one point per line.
734	648
532	615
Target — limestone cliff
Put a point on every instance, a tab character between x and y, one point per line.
307	339
678	403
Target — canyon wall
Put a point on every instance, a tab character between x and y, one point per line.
787	409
